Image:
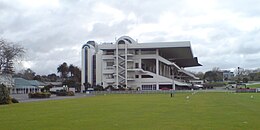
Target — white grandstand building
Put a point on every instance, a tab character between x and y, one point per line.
142	66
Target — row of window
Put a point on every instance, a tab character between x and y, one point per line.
149	87
136	52
111	76
111	63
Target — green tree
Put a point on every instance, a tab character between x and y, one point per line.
245	80
38	77
254	76
199	75
213	76
71	69
98	88
52	77
28	74
75	73
4	95
63	69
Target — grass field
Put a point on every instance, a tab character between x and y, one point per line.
138	111
254	86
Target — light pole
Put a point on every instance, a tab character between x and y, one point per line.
238	76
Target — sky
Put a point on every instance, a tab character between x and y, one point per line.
223	33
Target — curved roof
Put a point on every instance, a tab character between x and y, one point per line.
127	38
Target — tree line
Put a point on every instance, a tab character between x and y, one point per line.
70	75
240	75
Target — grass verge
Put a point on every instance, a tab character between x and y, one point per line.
138	111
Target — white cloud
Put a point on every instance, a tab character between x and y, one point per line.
107	14
39	3
223	33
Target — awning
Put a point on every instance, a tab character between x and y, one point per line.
187	62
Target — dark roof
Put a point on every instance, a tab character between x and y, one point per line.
176	53
187	62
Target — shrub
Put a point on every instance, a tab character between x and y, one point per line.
98	88
4	95
120	88
65	93
245	80
70	93
14	100
61	92
39	95
214	84
110	88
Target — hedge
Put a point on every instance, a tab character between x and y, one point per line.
214	84
65	93
4	95
39	95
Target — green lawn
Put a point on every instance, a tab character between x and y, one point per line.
254	86
147	111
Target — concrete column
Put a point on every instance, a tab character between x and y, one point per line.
126	65
140	63
157	66
117	54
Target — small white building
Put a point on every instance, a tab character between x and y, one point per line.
20	85
143	66
23	86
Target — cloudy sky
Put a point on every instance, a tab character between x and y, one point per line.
223	33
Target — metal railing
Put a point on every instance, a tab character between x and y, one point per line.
156	91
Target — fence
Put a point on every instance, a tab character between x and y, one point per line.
252	90
155	91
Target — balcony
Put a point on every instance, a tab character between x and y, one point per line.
107	57
109	70
110	80
130	78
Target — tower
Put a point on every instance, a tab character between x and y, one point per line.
88	65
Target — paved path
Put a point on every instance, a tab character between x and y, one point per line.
25	98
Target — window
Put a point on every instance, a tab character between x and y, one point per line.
136	52
110	76
109	52
148	51
109	63
136	65
149	87
121	42
130	51
147	76
136	76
